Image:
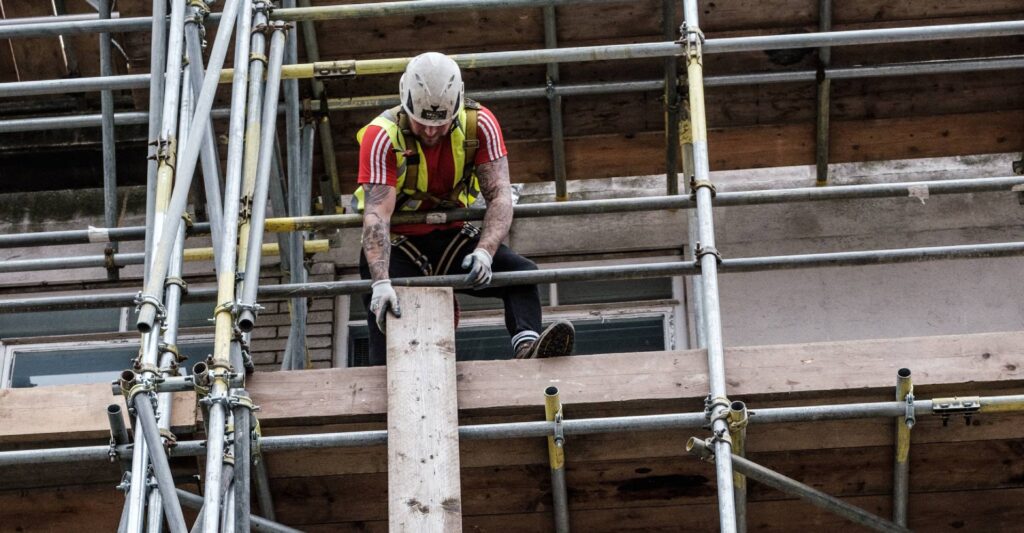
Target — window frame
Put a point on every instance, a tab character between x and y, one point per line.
10	348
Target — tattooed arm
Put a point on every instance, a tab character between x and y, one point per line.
379	205
496	189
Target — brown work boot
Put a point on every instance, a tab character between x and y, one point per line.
556	341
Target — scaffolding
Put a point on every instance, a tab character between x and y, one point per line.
181	129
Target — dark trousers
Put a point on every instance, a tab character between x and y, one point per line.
522	302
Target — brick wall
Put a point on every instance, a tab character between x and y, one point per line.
271	333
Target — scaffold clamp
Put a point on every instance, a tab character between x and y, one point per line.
909	416
559	435
143	299
334	69
946	407
699	252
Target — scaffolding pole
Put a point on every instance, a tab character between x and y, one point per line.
373	102
109	145
570	427
555	107
578	207
793	487
707	256
824	95
901	468
501	279
151	296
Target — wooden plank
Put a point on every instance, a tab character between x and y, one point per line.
424	493
653	377
762	146
650	380
677	480
72	412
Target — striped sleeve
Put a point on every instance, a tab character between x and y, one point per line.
377	162
492	143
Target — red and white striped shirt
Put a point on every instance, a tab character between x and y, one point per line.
378	164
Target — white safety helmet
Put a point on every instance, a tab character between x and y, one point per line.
431	89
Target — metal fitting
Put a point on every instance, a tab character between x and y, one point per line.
174	280
946	407
166	151
201	379
696	184
253	308
132	385
909	416
692	39
126	482
142	299
262	6
711	405
262	58
334	69
549	89
559	429
169	438
700	251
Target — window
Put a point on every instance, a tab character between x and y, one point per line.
69	363
612	316
84	346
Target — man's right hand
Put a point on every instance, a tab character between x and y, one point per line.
384	300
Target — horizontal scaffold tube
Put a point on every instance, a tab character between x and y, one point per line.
501	279
513	430
126	259
372	102
548	209
671	48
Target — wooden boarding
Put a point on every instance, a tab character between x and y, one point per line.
649	380
424	494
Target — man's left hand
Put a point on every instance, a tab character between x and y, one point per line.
479	265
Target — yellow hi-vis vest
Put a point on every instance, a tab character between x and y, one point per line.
465	186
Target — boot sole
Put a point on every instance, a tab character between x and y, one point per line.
556	341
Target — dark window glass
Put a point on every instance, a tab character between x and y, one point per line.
91	365
642	334
59	322
589	292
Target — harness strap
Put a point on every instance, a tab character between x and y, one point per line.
418	258
412	161
466	234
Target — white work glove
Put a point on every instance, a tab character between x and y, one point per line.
383	300
479	265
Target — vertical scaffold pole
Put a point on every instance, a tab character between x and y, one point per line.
151	299
157	59
738	432
555	108
247	306
708	257
824	84
329	184
109	141
901	470
671	101
556	458
208	156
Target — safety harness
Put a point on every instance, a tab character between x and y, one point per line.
412	160
444	264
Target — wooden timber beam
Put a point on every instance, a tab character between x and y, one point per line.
656	380
424	493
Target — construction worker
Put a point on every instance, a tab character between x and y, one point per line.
439	150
